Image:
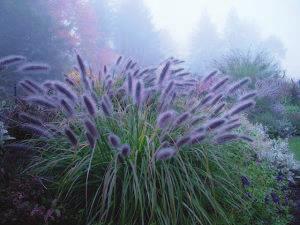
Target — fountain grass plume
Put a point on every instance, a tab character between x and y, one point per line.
34	85
62	88
165	153
25	117
83	73
210	76
36	130
238	85
196	138
242	106
41	101
125	150
165	119
91	139
139	93
230	127
34	68
183	141
71	136
91	128
182	118
114	140
119	60
90	105
218	109
221	139
216	99
27	88
216	123
221	83
248	96
11	60
67	107
163	73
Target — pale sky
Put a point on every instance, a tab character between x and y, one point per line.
273	17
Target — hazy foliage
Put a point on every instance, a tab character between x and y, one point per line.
133	33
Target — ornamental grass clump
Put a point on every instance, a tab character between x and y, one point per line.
136	147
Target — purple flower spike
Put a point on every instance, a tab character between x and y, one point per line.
138	93
275	198
225	138
241	107
165	118
34	68
216	123
11	60
182	118
90	139
125	150
91	128
165	153
90	105
67	107
245	181
197	138
71	136
183	141
114	140
164	72
65	91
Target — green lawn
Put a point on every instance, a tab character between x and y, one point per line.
294	144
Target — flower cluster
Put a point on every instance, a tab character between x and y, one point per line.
184	116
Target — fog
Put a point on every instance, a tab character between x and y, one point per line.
198	31
274	19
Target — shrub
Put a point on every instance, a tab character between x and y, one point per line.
275	151
264	187
138	146
256	65
270	110
293	112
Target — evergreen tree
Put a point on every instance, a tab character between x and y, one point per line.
133	34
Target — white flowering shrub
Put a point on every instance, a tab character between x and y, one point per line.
275	151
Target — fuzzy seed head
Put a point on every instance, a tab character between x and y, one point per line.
238	85
216	123
91	128
34	68
182	118
248	96
41	102
165	118
62	88
125	150
71	136
241	107
138	93
164	72
165	153
30	119
90	105
114	140
183	141
37	130
90	138
197	138
225	138
11	60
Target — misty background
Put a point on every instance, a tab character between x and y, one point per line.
202	32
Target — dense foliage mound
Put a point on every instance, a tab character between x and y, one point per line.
148	146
